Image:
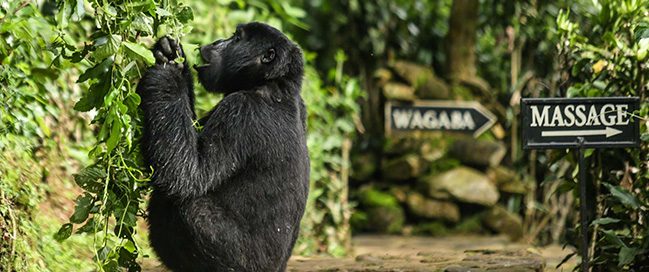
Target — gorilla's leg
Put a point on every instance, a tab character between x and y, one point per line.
229	244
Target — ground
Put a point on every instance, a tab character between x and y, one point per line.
455	253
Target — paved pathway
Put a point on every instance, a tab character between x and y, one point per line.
457	253
414	254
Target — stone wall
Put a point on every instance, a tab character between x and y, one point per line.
434	183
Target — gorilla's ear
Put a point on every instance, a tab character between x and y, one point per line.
268	56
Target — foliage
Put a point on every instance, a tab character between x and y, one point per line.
109	38
26	69
33	84
17	200
331	126
370	31
605	55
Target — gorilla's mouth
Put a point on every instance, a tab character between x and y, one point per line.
202	64
202	61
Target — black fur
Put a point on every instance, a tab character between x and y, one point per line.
231	197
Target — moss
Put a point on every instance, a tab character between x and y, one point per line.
471	224
371	197
359	221
431	228
388	219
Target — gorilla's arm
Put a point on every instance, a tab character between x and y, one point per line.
186	164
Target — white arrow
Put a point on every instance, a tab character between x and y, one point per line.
608	131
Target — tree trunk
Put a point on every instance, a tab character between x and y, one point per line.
461	39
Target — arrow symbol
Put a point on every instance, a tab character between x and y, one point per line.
608	131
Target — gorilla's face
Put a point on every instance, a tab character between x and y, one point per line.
255	54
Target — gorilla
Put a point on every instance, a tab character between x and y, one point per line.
230	197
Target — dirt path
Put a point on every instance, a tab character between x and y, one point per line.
456	253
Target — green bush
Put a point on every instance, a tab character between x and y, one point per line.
605	54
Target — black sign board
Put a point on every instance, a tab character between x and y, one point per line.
438	115
564	122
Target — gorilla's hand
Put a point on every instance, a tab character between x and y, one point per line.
167	51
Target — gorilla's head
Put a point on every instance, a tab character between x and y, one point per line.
255	55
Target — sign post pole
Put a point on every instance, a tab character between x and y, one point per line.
583	218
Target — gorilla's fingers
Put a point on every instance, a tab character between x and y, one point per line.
174	64
166	48
175	45
160	57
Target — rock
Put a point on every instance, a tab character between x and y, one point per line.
503	221
506	180
398	91
428	145
400	193
431	151
382	76
422	78
427	208
359	220
381	212
403	168
363	166
499	261
431	228
462	183
477	152
470	225
385	219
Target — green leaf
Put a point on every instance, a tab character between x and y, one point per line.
82	210
139	51
79	11
95	97
565	186
293	11
89	227
624	196
97	71
143	23
162	12
626	255
613	238
130	246
185	15
89	178
63	14
115	135
64	232
604	221
644	137
107	49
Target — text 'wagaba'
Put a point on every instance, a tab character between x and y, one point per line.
436	115
431	119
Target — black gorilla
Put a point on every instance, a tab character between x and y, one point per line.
231	197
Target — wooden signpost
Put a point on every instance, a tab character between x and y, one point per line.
438	115
580	123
